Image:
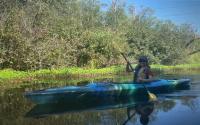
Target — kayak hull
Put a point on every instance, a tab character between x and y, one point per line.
105	91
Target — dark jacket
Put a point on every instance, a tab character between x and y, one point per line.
147	72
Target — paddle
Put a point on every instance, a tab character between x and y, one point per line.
152	97
129	118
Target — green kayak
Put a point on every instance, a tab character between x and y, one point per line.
104	91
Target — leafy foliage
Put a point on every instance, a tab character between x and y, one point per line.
38	34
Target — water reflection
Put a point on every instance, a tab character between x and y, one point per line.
184	105
144	110
77	105
112	112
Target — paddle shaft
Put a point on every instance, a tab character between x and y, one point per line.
127	61
128	119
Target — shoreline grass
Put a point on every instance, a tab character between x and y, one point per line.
9	74
16	79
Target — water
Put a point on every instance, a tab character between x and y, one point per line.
177	108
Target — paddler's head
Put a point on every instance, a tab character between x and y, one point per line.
143	61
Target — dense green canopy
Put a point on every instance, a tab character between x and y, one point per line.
37	34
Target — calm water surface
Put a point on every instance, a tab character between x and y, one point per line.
177	108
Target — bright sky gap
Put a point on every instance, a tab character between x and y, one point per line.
178	11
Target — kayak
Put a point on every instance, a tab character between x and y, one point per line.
105	91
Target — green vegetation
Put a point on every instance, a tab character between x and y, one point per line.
49	34
10	74
65	39
74	72
195	58
180	66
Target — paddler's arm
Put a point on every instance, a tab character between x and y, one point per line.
146	80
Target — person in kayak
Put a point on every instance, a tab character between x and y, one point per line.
142	72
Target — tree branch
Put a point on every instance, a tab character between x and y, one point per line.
196	51
191	41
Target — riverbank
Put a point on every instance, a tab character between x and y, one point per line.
76	76
65	72
74	72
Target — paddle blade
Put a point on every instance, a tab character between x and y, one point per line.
152	97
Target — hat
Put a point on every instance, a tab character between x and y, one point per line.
143	59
